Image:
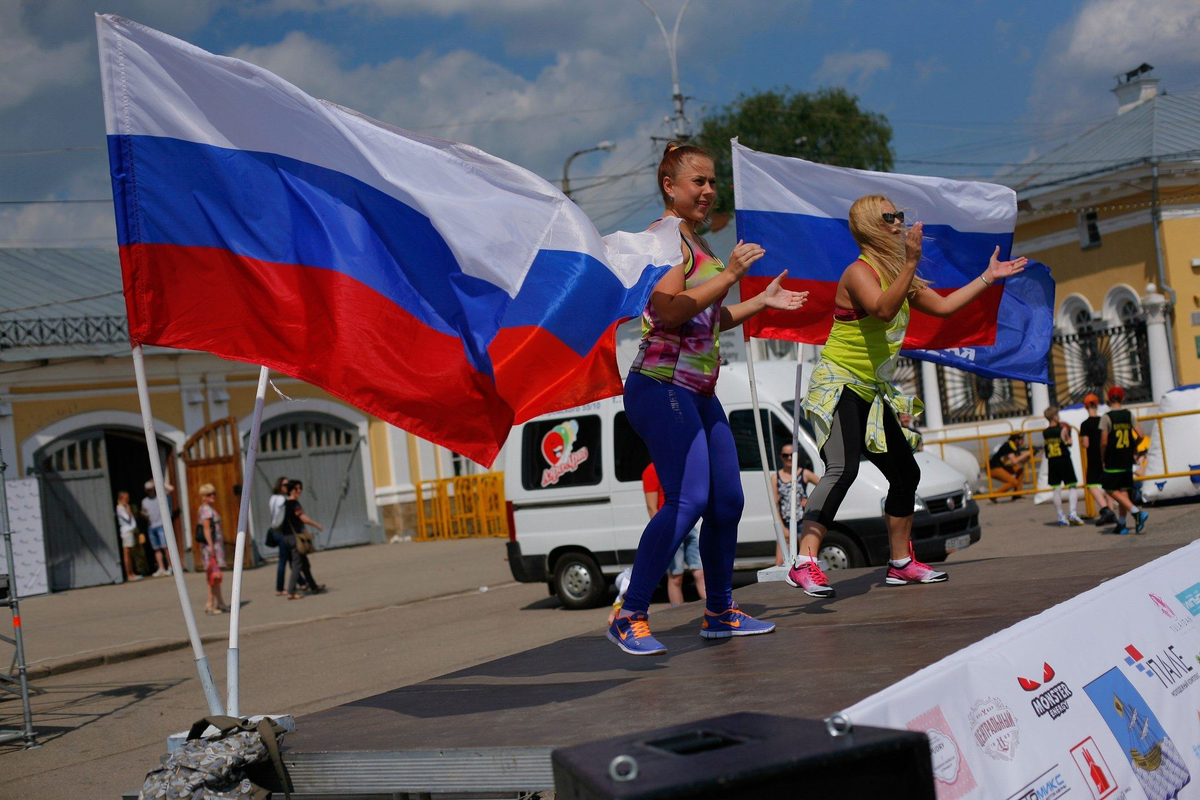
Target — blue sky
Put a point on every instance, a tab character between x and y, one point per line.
968	84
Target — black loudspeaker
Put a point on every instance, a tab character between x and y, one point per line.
748	755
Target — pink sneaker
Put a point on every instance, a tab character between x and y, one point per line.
806	574
913	572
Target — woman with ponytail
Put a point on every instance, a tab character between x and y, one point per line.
670	401
851	401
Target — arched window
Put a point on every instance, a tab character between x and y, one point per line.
1121	305
1075	314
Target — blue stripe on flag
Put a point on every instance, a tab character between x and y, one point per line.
820	248
1025	327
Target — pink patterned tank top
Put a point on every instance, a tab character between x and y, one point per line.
690	355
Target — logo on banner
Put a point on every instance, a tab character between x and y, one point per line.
558	448
1180	624
995	729
1053	701
1096	774
1156	762
1170	668
1047	786
950	768
1190	598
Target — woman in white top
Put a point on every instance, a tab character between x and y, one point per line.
127	524
276	503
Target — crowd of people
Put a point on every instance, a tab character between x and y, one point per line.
288	532
1114	449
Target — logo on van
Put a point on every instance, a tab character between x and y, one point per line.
558	448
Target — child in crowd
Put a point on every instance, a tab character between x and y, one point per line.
1060	471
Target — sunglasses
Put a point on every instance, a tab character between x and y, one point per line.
891	219
786	455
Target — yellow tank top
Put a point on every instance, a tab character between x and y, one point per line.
865	346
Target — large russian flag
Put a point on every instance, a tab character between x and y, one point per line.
799	212
437	287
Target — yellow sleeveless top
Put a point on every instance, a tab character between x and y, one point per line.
867	347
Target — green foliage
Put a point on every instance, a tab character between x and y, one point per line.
826	126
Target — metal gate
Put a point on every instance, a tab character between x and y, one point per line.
324	453
80	520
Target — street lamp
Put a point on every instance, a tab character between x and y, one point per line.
606	146
672	40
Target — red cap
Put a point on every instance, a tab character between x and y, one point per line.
1091	400
1116	393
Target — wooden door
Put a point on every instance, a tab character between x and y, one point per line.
213	455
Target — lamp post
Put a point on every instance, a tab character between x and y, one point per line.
606	146
672	40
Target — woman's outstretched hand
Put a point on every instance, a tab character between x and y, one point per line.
999	270
743	255
912	245
775	296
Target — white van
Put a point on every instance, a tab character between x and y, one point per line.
573	481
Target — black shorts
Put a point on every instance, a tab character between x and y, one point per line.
1095	473
1061	473
1118	480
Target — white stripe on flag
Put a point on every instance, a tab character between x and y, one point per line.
765	182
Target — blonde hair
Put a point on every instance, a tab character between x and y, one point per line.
206	488
884	251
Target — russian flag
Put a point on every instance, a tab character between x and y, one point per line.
799	212
437	287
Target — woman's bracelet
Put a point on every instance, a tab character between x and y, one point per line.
986	282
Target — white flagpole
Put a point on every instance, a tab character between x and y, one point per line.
762	444
796	471
206	680
235	600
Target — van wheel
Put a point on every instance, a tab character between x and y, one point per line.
839	552
578	581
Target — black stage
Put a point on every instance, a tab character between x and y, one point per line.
490	728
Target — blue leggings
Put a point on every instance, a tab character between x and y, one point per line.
696	460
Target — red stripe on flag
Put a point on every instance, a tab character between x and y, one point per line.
322	327
537	373
974	326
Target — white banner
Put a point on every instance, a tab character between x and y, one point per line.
29	549
1096	697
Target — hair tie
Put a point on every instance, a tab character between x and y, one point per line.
672	147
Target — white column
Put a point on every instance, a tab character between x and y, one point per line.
932	396
1039	394
218	397
1155	306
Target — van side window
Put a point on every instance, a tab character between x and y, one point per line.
630	456
561	452
746	440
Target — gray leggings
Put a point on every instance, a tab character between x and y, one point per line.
846	447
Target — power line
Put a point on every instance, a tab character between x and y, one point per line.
19	153
61	302
51	202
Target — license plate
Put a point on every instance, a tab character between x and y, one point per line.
958	542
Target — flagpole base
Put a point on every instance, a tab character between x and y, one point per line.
210	687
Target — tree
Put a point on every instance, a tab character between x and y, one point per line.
826	126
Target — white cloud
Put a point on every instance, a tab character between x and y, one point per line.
852	67
28	66
1110	36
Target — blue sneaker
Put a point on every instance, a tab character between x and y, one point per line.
732	623
1121	529
632	634
1141	521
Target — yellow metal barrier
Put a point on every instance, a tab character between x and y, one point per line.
462	507
1032	465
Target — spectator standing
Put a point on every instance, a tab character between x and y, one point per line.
1089	438
294	523
156	526
212	540
276	503
127	525
687	556
781	490
1060	471
1007	464
1119	431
